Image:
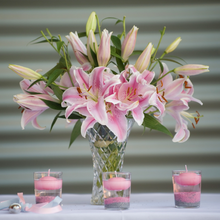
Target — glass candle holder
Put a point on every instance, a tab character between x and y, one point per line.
186	188
47	185
116	190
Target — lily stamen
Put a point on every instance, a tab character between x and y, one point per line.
160	99
164	97
79	90
185	84
89	88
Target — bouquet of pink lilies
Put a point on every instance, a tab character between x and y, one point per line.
106	88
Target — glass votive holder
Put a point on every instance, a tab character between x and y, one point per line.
116	190
47	185
186	188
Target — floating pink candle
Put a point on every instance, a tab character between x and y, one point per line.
48	183
117	183
188	178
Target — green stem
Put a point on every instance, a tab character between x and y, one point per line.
124	27
67	66
157	62
148	108
49	32
97	19
50	43
163	76
54	83
162	33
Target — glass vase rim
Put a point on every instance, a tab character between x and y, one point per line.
115	172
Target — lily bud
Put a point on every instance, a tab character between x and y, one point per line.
104	51
144	59
191	69
128	44
152	51
78	47
173	45
91	23
24	72
91	43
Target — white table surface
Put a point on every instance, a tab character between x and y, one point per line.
152	206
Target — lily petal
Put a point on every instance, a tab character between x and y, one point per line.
138	115
29	115
117	123
98	110
88	123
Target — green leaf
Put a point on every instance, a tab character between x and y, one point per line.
53	105
112	62
33	93
75	132
116	41
161	66
74	115
59	45
54	75
153	123
82	34
113	53
171	60
36	81
57	91
35	39
118	20
136	52
53	39
54	120
120	64
94	57
176	57
115	73
60	65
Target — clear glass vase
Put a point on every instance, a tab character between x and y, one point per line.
107	155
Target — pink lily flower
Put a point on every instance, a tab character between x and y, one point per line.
179	89
32	104
128	44
133	96
104	52
182	132
191	69
175	109
79	49
91	93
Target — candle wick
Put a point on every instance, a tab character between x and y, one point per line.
49	172
186	168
